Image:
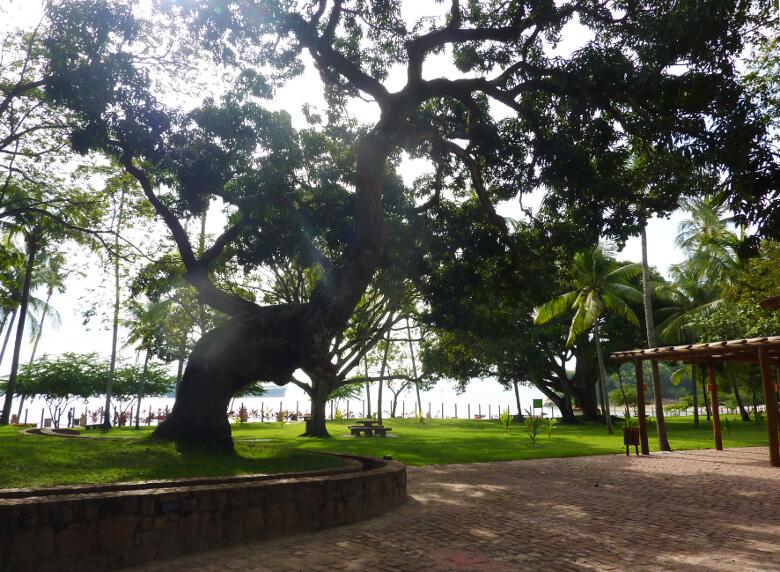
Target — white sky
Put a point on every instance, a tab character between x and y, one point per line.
74	337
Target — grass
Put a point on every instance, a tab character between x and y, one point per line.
130	455
462	441
30	461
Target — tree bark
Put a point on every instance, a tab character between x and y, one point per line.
603	378
583	385
115	322
652	341
316	426
32	248
706	399
266	346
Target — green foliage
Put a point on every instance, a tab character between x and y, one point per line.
600	285
533	425
550	424
70	376
506	419
739	315
419	417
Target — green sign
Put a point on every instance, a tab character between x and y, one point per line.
537	403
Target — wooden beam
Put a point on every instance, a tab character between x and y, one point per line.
771	408
713	387
640	407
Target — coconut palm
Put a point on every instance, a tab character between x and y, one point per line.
652	341
599	285
707	240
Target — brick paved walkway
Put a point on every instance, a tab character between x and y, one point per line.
696	510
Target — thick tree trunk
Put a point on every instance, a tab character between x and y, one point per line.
316	425
561	402
603	378
266	346
695	396
583	385
32	248
652	341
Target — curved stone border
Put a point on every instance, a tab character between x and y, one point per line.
98	529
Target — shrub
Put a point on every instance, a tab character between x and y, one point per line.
506	419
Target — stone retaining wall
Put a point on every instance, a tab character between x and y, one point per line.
110	529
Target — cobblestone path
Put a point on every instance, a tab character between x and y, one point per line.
694	510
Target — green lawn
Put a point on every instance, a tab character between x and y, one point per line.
461	441
30	461
129	455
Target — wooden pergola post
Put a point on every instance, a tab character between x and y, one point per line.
640	407
771	407
713	387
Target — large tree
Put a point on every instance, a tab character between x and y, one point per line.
647	70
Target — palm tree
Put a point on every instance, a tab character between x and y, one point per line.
50	274
707	239
688	297
652	341
32	240
599	285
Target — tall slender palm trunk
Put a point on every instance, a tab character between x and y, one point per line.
141	392
652	341
695	392
8	334
602	379
32	248
115	323
37	340
368	390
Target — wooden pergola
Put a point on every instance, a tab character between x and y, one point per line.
765	352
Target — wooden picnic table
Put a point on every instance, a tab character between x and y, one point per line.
369	428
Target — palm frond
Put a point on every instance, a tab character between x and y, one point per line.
554	308
620	308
